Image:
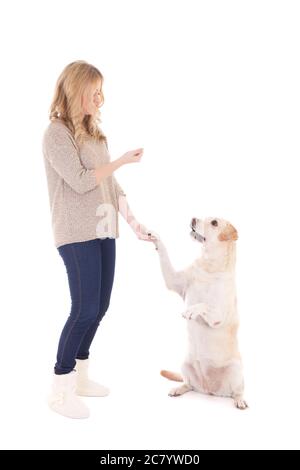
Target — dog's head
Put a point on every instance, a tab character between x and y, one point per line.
212	230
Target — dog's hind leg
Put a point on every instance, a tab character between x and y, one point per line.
236	383
176	392
237	396
239	402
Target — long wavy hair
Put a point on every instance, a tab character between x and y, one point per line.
71	86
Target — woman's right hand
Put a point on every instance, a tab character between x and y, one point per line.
133	156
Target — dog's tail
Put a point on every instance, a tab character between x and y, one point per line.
171	375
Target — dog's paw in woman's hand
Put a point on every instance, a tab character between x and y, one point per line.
149	235
154	237
144	233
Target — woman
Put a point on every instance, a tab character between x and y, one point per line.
85	199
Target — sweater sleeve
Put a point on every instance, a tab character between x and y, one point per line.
61	152
119	188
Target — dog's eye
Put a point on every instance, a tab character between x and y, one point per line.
214	223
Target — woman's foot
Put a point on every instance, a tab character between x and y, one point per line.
86	387
63	398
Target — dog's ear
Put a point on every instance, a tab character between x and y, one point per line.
228	234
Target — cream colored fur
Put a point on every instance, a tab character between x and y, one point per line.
213	364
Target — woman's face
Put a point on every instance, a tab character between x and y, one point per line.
92	98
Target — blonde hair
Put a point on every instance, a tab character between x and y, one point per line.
71	86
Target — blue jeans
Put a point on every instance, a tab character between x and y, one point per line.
90	268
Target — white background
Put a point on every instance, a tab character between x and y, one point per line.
210	89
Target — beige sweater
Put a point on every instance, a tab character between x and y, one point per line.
81	209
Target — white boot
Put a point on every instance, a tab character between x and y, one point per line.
63	398
85	386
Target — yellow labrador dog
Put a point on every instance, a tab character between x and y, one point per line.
213	364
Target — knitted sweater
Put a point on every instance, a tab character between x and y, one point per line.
81	209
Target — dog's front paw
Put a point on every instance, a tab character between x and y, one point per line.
195	311
190	314
155	238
